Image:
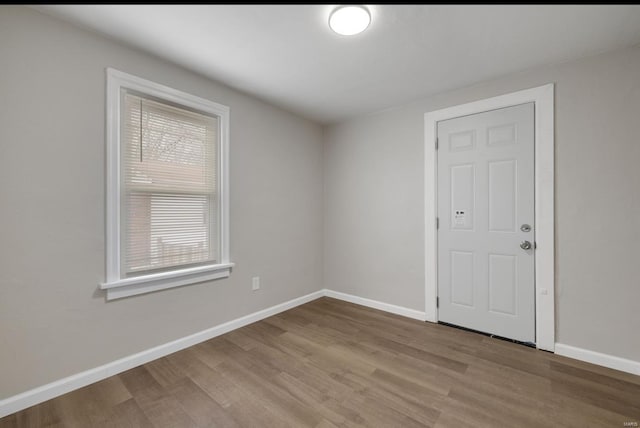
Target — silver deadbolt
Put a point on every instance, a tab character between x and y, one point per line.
525	228
525	245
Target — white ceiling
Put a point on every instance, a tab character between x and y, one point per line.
287	55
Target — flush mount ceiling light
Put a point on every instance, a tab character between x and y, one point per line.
349	20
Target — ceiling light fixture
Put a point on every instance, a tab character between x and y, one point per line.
349	20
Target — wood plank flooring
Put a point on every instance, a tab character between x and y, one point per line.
334	364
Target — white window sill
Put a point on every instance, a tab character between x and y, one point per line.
160	281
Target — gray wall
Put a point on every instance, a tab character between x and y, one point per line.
374	231
53	322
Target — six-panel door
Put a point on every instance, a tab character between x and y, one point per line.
485	201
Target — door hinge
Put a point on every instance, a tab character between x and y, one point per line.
436	143
437	302
437	222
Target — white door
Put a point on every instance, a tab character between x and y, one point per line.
485	214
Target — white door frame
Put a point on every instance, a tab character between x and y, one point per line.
542	97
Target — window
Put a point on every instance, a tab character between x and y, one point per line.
166	187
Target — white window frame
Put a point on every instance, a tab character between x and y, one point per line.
116	284
542	97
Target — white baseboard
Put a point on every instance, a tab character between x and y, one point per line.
51	390
398	310
598	358
46	392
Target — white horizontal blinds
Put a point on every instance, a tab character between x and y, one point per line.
169	191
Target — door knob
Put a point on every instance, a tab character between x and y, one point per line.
525	245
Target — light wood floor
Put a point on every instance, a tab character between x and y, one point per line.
330	363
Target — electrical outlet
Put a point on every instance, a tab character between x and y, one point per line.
255	283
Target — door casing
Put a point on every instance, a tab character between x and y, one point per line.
542	97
